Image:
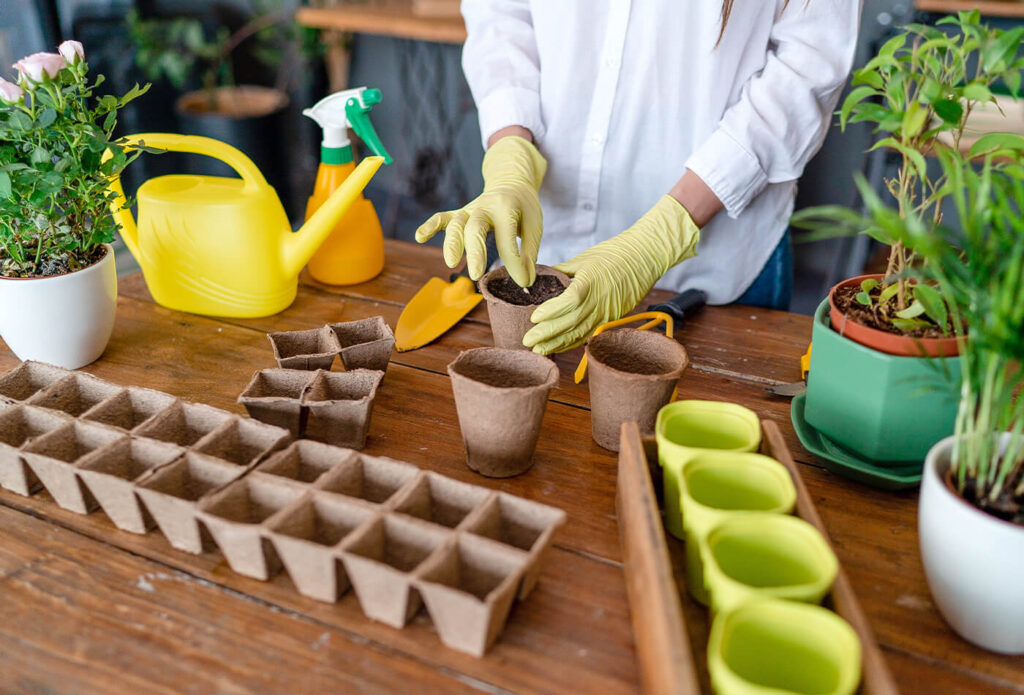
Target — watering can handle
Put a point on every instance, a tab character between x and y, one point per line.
174	142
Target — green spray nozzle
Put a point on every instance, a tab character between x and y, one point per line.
357	112
338	112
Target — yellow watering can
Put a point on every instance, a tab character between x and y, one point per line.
223	246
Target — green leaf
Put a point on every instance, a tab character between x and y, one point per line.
909	324
869	284
913	119
948	110
992	142
933	303
46	118
5	185
912	311
913	156
892	45
888	293
1002	49
853	98
868	76
1012	80
977	92
20	121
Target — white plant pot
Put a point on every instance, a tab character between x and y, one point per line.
974	562
65	320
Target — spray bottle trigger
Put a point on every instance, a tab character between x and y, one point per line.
357	112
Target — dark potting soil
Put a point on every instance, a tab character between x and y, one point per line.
846	303
544	288
1007	506
60	263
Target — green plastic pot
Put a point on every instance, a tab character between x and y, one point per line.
775	647
882	407
753	556
686	428
716	486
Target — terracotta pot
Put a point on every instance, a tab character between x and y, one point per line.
510	322
62	319
500	397
632	375
888	343
973	561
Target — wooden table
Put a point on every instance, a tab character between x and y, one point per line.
390	18
87	608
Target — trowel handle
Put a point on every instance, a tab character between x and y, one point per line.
682	306
197	144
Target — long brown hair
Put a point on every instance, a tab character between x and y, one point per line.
726	11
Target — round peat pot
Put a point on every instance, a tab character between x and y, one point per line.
882	407
974	562
883	341
716	486
65	320
508	312
500	397
754	556
774	647
632	375
685	427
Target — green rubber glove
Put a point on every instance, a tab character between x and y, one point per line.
610	278
513	171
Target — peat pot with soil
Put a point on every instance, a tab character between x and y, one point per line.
58	285
510	306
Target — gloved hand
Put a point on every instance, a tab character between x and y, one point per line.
513	170
610	278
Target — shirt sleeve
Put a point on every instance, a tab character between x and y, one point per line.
784	111
502	65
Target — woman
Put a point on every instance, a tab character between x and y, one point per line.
707	111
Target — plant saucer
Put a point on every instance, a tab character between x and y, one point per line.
842	461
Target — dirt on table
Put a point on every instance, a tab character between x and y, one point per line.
544	288
845	300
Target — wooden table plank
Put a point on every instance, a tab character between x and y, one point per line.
988	8
394	18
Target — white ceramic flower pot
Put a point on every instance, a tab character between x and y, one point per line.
974	562
65	320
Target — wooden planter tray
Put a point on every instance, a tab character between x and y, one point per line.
670	628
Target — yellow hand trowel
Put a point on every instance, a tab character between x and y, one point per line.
438	306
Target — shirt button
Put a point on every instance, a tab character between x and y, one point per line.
588	206
597	139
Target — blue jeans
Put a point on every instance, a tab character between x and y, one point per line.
773	288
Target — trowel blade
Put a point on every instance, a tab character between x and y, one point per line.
437	306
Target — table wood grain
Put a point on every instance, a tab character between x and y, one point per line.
394	18
88	608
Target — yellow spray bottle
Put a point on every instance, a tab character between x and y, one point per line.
354	252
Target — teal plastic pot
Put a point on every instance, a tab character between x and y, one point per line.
775	647
882	407
684	429
716	486
748	557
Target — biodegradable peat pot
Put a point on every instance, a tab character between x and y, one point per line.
28	379
973	561
441	500
235	517
243	442
776	646
307	461
510	320
885	408
528	526
52	457
273	396
632	374
183	424
130	408
109	473
468	589
65	320
172	493
365	344
340	405
18	426
380	560
374	481
312	349
883	341
75	394
500	397
306	538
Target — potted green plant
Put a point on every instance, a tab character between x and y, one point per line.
971	513
883	381
58	285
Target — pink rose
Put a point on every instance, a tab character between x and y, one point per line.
39	66
72	51
10	93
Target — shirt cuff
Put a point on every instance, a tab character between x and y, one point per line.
730	171
510	106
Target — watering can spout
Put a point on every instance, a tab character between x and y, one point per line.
299	247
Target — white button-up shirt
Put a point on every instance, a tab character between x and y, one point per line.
623	96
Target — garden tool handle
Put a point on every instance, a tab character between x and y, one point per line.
683	305
653	319
197	144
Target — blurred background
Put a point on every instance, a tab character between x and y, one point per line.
287	54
